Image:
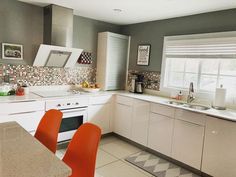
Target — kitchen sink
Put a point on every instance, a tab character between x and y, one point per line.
197	107
174	103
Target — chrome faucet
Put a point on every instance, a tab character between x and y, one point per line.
190	97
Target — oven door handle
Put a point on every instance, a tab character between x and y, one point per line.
73	110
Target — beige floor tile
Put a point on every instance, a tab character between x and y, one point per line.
118	169
59	154
119	149
108	139
104	158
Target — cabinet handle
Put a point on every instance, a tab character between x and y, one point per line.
123	104
22	113
22	101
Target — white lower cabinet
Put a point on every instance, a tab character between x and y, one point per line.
140	120
219	153
27	113
188	143
123	120
28	120
160	133
100	115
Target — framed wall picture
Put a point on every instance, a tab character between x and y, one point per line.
12	51
143	54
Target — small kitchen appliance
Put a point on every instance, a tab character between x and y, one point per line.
133	83
137	83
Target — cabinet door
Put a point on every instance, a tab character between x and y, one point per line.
219	153
100	115
29	121
140	119
160	133
116	63
123	120
188	143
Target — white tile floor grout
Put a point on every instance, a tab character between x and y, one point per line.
110	159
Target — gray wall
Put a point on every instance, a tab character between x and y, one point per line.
153	33
86	32
21	23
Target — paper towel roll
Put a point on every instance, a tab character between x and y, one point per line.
220	96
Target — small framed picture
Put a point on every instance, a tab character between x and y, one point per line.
12	51
143	54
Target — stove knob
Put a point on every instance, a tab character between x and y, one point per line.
59	105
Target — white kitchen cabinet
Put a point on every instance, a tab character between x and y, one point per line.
27	113
100	115
112	55
28	120
219	153
123	116
160	133
140	121
188	143
100	112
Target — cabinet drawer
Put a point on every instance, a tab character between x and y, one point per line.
189	116
29	121
124	100
21	107
100	99
163	110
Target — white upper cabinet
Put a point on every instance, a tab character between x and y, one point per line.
140	120
112	59
219	153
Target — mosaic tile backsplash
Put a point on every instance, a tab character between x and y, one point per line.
151	79
45	76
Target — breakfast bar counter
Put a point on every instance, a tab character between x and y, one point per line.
21	155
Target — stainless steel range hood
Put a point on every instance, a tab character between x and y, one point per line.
58	38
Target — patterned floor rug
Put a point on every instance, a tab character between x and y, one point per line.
158	166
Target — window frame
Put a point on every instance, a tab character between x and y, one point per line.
164	70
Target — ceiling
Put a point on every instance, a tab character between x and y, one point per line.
136	11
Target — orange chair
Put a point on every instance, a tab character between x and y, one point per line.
48	129
82	150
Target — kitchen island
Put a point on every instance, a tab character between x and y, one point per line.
24	156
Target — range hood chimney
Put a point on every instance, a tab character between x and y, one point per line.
58	26
58	39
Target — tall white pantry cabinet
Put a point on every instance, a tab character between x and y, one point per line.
112	60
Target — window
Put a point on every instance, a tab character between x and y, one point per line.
207	60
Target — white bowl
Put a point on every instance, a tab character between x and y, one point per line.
91	90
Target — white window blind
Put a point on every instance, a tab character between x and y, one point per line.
207	61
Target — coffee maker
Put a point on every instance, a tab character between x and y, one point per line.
137	83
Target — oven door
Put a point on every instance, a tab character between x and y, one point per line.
71	121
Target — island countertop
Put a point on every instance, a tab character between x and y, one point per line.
21	155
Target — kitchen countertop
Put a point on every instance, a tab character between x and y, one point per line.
228	114
13	98
24	156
